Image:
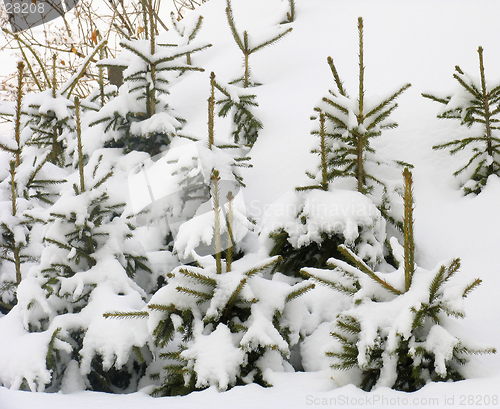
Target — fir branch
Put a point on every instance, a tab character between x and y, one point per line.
232	25
196	28
103	180
201	295
175	355
295	293
49	358
469	288
160	307
361	266
342	109
203	279
269	42
332	284
348	324
336	120
126	314
338	81
235	294
387	101
255	270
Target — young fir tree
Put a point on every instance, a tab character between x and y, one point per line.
315	222
178	185
90	259
140	118
396	334
218	323
50	113
247	47
221	302
28	186
187	34
246	126
348	128
477	106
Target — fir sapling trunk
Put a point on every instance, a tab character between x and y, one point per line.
230	241
55	130
409	245
247	67
101	77
17	123
150	31
13	168
486	105
324	164
79	141
218	248
361	119
211	107
15	247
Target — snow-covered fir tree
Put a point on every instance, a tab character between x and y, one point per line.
477	106
347	129
30	183
218	323
90	258
327	213
140	117
397	334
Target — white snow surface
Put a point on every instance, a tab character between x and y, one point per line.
417	42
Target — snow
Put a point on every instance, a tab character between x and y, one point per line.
418	42
291	390
216	358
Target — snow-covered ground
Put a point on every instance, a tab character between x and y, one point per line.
291	391
417	42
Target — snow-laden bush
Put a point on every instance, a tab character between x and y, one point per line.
347	128
219	327
28	182
476	104
397	333
306	227
89	262
140	117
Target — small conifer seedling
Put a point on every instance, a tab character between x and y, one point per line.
246	47
397	334
246	125
26	187
149	123
475	104
350	127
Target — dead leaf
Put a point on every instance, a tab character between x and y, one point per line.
93	37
